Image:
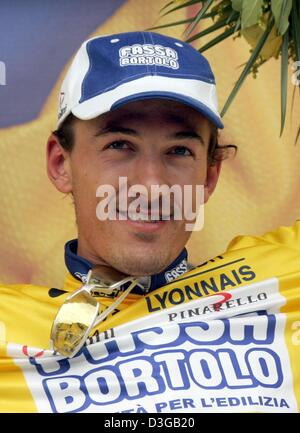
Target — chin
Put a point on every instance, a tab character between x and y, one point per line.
141	265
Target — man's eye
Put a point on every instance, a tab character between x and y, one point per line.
181	151
119	145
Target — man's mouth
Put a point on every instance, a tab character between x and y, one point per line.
143	217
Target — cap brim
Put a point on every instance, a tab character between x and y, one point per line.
193	103
95	107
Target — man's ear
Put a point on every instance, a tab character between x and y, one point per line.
213	172
58	165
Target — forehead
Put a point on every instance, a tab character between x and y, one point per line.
148	111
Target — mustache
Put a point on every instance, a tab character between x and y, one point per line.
162	206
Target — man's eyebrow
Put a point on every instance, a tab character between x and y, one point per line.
183	135
115	129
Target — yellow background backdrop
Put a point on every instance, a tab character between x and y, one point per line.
257	191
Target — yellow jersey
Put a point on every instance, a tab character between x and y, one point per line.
223	337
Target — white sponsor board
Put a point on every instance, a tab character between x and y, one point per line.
227	360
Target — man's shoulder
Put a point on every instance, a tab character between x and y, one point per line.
285	237
21	289
30	296
27	312
38	290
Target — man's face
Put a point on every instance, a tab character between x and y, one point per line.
151	142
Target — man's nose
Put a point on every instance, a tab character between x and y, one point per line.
149	170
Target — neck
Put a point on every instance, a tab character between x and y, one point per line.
79	266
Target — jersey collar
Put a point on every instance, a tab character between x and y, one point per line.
79	267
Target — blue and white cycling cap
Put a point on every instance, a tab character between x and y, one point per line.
110	71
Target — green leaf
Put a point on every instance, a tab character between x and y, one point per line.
284	77
222	8
284	19
216	40
166	6
238	24
248	66
296	30
276	10
183	5
213	28
273	44
232	14
297	136
251	13
281	10
200	14
237	5
293	100
176	23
